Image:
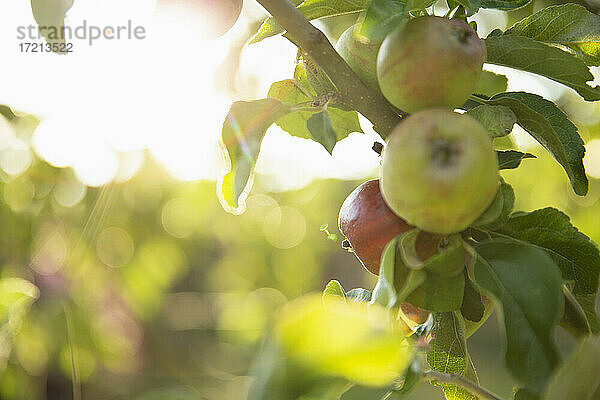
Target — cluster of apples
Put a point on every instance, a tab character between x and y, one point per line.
439	170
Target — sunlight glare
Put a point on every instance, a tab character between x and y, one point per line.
591	161
102	105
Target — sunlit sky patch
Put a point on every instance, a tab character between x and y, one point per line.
102	105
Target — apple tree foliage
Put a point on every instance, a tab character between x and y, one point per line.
536	268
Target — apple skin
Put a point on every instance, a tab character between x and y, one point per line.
368	224
361	57
430	62
439	170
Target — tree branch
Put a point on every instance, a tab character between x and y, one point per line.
458	380
312	41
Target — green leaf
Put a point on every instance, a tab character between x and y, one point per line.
16	297
50	17
294	123
418	5
498	120
569	26
448	260
317	78
439	293
395	281
579	377
472	307
359	295
574	253
511	159
330	127
497	213
381	17
524	394
490	84
334	289
7	112
343	122
444	282
470	6
528	285
526	54
398	281
588	304
302	79
574	318
504	4
242	134
351	340
320	127
384	292
552	129
312	9
447	353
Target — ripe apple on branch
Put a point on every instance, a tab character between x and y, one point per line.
438	226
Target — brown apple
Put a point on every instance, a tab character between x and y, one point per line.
369	224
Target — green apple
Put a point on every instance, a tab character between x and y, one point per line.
360	56
430	62
439	170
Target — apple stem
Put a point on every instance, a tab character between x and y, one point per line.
314	42
458	380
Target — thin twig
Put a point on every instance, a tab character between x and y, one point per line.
458	380
312	41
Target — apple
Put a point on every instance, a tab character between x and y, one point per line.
430	62
361	57
368	224
439	170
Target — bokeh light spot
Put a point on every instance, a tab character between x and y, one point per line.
49	249
69	193
15	159
284	227
179	217
115	247
18	194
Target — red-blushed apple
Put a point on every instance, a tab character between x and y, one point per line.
368	224
430	62
360	56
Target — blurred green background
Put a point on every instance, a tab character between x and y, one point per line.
150	290
154	286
